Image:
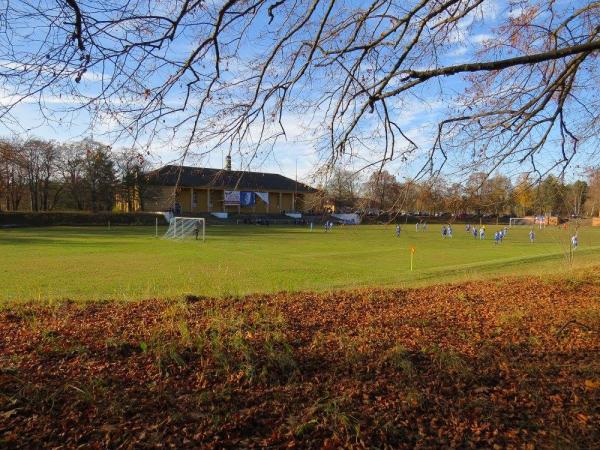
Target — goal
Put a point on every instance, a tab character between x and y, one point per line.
521	221
186	227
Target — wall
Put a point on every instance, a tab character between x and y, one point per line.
161	199
158	198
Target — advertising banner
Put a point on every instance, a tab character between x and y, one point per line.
232	198
247	198
264	196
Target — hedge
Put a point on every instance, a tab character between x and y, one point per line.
78	218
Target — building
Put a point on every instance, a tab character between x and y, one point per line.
192	190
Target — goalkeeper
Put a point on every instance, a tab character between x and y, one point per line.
197	229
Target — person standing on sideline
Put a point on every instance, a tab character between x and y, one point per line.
417	227
531	236
443	231
398	230
574	241
449	231
481	234
474	232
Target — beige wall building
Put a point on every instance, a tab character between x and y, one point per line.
203	190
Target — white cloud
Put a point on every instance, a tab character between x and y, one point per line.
459	51
480	38
515	12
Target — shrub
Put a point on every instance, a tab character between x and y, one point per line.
43	219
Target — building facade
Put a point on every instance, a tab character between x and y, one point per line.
190	190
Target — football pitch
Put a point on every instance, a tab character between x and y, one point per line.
130	263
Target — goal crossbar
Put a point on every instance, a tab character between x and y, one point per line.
521	221
186	227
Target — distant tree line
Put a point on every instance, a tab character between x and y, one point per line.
480	194
42	175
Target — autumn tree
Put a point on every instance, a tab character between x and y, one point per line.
383	191
131	166
549	196
524	195
71	167
12	176
40	162
238	74
343	186
455	201
592	203
476	191
430	196
499	194
575	195
409	192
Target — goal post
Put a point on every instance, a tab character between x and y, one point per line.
521	221
186	227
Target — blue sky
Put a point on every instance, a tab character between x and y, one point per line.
418	114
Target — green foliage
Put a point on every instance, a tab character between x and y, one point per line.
43	219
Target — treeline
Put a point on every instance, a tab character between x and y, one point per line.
40	175
479	194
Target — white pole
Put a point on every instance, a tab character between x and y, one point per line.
156	228
203	229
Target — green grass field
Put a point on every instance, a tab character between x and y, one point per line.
130	263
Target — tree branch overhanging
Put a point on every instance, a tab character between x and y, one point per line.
212	75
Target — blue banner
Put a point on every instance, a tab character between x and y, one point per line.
247	198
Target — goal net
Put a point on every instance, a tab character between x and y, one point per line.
522	221
186	227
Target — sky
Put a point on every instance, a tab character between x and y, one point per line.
297	152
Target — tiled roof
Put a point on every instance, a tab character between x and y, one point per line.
224	179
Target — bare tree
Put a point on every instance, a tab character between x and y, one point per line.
39	160
72	174
238	72
12	176
343	186
575	196
382	190
592	204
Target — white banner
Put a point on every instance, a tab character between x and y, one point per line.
264	196
232	198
